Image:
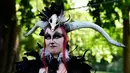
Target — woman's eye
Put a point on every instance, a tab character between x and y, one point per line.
57	36
47	37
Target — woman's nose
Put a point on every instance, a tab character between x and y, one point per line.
52	41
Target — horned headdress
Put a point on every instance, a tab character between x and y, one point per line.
54	16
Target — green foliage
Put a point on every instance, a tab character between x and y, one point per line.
115	66
88	39
104	14
26	21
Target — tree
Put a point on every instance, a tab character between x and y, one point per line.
8	33
109	9
126	34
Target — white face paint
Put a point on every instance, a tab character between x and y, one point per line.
54	41
53	21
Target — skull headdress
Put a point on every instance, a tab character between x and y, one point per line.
54	17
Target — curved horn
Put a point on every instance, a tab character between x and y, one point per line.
40	24
77	25
61	20
67	20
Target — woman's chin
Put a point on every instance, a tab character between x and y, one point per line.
53	50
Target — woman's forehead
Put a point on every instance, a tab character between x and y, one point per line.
48	30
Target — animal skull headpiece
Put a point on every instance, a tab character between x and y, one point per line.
54	16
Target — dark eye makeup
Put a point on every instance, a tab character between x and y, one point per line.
47	36
56	35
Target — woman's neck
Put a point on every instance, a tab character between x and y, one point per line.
55	56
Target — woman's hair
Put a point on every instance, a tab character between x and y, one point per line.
64	46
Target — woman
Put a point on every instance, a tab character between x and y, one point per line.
55	57
55	44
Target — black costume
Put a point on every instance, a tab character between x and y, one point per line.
74	65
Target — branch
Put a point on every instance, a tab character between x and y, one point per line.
92	5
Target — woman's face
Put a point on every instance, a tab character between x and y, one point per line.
54	40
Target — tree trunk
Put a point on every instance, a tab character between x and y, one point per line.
7	35
126	40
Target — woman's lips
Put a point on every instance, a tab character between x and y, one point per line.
52	46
